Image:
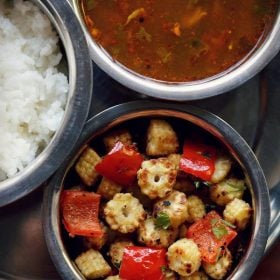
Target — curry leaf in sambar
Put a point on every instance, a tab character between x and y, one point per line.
142	34
91	4
164	55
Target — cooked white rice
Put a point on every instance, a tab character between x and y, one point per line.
32	92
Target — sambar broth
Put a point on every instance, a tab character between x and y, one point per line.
178	40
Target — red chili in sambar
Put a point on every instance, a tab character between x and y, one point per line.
178	40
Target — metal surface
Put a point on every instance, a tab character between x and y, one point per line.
79	95
265	50
23	253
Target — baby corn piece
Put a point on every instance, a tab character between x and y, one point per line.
85	166
92	264
108	188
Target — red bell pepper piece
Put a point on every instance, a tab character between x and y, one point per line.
198	159
80	213
143	263
212	235
120	164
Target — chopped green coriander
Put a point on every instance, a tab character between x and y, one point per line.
162	220
228	224
91	4
219	231
219	227
117	264
213	222
197	184
142	34
236	187
200	184
164	55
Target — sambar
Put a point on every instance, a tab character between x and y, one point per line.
177	40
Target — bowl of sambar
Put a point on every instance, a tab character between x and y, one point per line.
181	50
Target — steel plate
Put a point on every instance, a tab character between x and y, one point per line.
252	109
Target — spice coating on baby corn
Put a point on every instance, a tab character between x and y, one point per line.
238	212
220	268
161	139
116	251
184	257
150	235
156	177
120	135
196	209
124	213
227	190
107	188
92	264
175	206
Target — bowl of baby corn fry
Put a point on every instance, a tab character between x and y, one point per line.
157	190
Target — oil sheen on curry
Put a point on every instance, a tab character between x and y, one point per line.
178	40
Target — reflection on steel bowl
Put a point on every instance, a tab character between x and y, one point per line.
41	95
219	61
162	177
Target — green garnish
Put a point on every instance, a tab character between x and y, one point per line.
219	254
162	220
91	4
197	184
117	264
163	268
164	55
200	184
115	51
213	222
219	227
236	188
228	224
219	231
142	34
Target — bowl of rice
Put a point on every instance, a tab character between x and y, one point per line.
45	91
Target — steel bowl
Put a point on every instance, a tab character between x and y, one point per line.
248	67
212	124
80	77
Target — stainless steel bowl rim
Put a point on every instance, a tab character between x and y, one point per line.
224	82
51	223
79	96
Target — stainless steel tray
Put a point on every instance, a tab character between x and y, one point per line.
252	109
